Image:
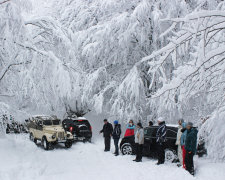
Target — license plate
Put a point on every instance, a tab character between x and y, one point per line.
80	138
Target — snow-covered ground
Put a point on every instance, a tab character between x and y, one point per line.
23	160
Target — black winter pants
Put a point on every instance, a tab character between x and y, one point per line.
189	162
139	151
107	143
161	153
116	142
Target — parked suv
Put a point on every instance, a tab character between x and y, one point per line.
79	127
49	131
127	145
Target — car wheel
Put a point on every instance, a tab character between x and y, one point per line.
31	137
68	144
45	143
126	149
170	155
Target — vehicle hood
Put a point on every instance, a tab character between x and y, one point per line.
54	128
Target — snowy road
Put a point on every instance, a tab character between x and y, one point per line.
23	160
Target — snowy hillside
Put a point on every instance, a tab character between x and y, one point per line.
87	161
124	59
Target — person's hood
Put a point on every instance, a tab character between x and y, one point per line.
184	124
193	130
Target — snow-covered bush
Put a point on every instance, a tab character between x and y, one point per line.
213	132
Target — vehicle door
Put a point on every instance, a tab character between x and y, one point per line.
149	139
171	137
39	129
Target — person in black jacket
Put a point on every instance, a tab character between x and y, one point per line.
107	133
160	139
116	136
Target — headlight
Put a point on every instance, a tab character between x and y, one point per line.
53	136
68	135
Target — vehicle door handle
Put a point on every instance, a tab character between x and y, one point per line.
148	138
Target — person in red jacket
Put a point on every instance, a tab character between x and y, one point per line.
130	129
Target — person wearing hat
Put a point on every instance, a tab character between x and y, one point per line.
139	141
178	142
107	133
116	136
160	139
190	147
150	124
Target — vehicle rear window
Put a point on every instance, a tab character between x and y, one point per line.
80	122
47	122
56	122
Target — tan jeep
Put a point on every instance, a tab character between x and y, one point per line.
48	130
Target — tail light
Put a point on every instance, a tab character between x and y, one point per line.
71	129
80	120
91	128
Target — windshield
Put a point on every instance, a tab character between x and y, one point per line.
56	122
47	122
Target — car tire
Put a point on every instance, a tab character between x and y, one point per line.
68	144
45	143
170	155
31	137
126	149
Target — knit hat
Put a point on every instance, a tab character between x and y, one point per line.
160	119
116	122
190	124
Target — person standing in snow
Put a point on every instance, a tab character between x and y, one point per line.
116	136
130	129
150	123
139	141
182	142
107	133
179	134
190	146
161	139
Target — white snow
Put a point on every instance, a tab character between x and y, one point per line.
21	159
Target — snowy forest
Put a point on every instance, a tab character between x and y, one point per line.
124	59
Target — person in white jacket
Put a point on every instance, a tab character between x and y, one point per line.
179	133
139	141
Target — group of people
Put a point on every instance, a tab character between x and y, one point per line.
186	140
187	144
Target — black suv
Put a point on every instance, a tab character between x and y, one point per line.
127	145
79	127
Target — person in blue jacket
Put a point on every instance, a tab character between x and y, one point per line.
190	147
116	136
182	142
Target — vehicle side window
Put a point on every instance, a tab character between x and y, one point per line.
171	133
150	132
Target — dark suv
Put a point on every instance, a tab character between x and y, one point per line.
79	127
127	145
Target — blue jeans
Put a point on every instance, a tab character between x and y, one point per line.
116	142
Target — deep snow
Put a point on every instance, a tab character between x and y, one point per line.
21	159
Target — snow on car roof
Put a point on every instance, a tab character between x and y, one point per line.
44	117
172	125
81	118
